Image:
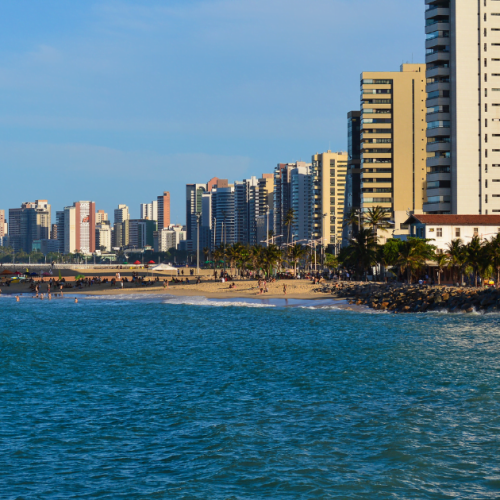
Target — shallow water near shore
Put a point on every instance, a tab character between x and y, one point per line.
165	398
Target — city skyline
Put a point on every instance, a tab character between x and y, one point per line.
86	103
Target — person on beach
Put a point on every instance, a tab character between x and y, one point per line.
284	288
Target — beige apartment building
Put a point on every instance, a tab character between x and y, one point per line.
329	172
393	143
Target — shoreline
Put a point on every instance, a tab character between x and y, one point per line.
296	289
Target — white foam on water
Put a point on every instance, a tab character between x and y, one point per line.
203	301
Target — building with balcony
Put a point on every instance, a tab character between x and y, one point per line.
327	201
393	139
282	198
463	107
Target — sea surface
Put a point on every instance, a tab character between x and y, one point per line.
187	398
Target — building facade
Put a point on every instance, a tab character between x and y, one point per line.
393	138
103	237
29	223
194	195
463	106
78	228
352	198
327	202
163	209
168	238
282	198
101	216
121	214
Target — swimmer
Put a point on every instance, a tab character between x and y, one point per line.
17	298
76	300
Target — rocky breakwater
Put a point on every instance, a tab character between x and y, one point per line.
415	299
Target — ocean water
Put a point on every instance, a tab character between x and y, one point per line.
194	399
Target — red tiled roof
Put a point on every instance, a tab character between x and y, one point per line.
456	220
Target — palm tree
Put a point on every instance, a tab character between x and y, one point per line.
377	217
473	253
331	261
363	251
413	254
270	257
295	253
289	220
206	253
352	218
441	260
494	253
455	255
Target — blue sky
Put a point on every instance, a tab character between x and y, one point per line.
119	101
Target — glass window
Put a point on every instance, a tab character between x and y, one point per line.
439	232
457	232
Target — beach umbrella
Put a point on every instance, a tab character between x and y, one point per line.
136	262
7	272
151	262
125	262
34	274
80	277
18	273
45	273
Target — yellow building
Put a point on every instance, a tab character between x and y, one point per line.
393	143
329	171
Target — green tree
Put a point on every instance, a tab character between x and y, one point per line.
474	254
456	256
494	253
295	253
376	218
289	220
441	261
413	254
362	253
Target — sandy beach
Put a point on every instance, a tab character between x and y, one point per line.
296	289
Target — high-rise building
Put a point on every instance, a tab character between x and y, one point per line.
266	192
246	209
103	237
101	216
302	202
327	210
2	223
194	193
163	210
215	182
140	232
223	214
352	200
79	227
463	106
29	223
393	157
149	210
60	223
53	232
282	198
121	214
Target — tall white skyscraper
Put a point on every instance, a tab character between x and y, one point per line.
463	106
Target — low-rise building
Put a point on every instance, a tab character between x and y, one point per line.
442	229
